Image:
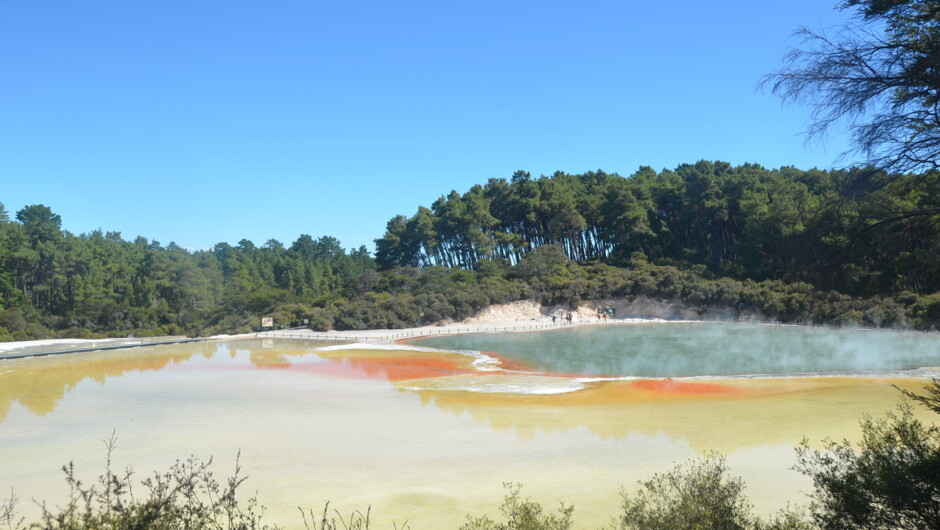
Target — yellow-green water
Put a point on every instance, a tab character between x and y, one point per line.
387	428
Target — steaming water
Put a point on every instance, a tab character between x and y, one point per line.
712	349
371	427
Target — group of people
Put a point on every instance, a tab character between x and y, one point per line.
566	316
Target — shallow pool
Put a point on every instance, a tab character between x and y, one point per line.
706	349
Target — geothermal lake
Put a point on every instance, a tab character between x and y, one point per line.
429	436
705	349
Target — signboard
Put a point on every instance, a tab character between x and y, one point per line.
267	322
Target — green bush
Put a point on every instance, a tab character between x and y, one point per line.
522	514
187	496
698	494
892	480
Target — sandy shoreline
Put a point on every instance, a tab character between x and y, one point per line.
518	316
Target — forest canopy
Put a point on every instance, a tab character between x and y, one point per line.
740	222
783	244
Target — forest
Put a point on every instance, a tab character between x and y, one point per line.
827	247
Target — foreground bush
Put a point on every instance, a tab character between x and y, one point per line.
699	494
186	497
522	514
892	480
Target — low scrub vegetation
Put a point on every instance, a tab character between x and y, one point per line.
522	514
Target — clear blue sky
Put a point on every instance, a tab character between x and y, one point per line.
207	121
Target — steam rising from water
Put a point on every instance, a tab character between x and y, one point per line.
708	349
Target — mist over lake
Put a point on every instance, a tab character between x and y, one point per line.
706	349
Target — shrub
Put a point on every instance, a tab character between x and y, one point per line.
522	514
698	494
184	497
892	480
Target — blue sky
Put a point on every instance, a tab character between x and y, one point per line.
211	121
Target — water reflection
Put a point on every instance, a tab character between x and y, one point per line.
725	417
38	383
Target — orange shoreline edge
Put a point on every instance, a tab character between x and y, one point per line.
398	366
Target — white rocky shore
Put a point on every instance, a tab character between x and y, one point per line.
525	315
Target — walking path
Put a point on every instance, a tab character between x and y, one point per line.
40	348
391	335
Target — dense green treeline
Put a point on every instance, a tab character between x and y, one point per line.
52	281
742	222
744	242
